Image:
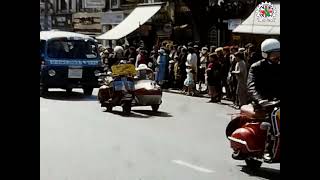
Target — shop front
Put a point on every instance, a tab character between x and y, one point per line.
108	21
87	23
183	27
42	22
162	26
62	22
143	23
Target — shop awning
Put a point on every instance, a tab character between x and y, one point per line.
252	26
136	18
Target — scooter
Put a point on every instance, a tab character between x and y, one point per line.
251	133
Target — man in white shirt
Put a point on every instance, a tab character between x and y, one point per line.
192	59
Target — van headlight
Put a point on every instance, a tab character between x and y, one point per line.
52	72
96	72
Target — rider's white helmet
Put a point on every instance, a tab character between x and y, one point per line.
142	67
269	45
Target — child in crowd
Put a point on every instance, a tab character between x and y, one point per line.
189	81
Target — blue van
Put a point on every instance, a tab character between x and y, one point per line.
68	60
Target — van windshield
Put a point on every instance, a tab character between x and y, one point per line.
72	49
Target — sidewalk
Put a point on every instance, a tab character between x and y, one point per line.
179	92
223	101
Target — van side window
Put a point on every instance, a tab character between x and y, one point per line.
72	49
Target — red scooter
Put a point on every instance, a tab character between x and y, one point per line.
249	133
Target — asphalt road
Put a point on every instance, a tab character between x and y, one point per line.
184	141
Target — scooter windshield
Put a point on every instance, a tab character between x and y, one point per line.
123	84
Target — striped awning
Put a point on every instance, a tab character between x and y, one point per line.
136	18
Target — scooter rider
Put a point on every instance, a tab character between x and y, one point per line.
142	71
264	78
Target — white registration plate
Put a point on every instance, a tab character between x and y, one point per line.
74	73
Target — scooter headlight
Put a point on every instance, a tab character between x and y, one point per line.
52	72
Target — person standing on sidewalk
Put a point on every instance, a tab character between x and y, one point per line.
219	52
225	66
251	56
162	62
177	77
214	78
182	66
189	81
212	49
141	58
232	79
171	77
173	51
131	53
203	66
197	52
241	74
192	60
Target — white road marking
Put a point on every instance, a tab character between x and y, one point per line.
198	168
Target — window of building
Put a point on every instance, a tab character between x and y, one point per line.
70	4
80	5
107	5
114	4
63	5
56	5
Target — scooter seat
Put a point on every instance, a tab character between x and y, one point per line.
248	111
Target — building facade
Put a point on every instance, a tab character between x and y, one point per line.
46	11
209	21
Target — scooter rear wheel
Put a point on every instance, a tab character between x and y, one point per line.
126	108
109	108
155	108
253	164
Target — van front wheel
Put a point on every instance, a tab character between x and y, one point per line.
87	91
69	90
253	164
43	90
